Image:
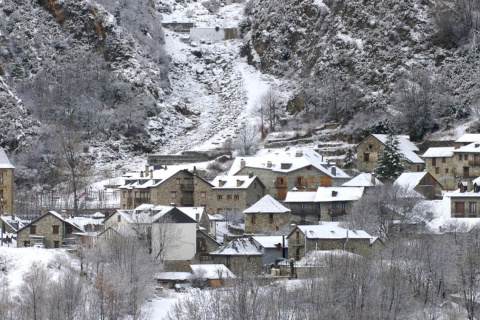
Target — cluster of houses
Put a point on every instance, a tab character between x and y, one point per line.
265	212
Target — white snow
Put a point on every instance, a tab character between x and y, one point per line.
212	271
334	194
267	204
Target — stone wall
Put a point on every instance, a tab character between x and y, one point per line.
228	203
178	265
442	169
6	187
266	222
467	213
214	34
44	228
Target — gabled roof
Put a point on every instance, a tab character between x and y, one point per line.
267	205
284	161
409	180
439	152
233	182
362	180
193	211
469	137
304	196
332	231
331	194
55	214
212	271
122	230
473	147
11	220
407	148
176	216
4	162
159	176
270	241
238	247
150	213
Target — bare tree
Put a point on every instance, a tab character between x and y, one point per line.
247	139
34	292
268	109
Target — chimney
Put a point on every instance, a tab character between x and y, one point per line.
299	153
469	185
242	163
334	193
239	183
269	164
334	171
328	163
372	179
141	174
151	174
147	167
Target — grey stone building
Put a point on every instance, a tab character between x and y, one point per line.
267	215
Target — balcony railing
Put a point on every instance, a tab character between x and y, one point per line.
187	187
141	200
129	200
474	162
186	201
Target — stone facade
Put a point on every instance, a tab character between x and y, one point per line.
279	183
265	222
367	156
205	245
6	185
49	229
235	200
182	189
466	164
465	203
443	170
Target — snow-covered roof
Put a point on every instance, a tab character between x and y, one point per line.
288	161
320	258
458	194
137	181
193	211
267	204
238	247
270	241
216	217
296	196
4	162
212	271
98	215
232	182
469	137
330	194
173	276
333	231
435	152
406	147
470	148
362	180
13	222
81	222
409	180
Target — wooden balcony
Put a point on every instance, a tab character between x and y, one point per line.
187	201
474	162
139	201
187	187
129	200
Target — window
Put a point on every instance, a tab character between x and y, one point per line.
459	207
311	180
366	157
344	206
56	244
119	218
1	178
229	197
444	159
472	207
466	172
460	157
236	197
434	162
68	229
309	167
466	157
219	197
197	216
437	170
26	243
178	180
446	170
334	205
253	218
254	185
173	194
33	229
270	217
203	194
55	229
281	182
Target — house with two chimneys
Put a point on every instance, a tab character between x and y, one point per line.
283	171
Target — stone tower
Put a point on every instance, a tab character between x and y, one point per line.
6	184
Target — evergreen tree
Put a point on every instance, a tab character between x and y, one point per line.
350	159
389	163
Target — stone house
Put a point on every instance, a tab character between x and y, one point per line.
282	171
370	147
439	162
50	230
466	139
273	248
466	161
239	255
326	204
216	275
205	245
266	215
233	194
8	228
465	202
328	236
422	182
165	186
6	184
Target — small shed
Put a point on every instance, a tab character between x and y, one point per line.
217	275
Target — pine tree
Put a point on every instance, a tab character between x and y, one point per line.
389	163
350	160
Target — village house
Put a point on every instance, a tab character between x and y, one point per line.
281	171
422	182
205	244
326	204
328	236
369	149
233	194
239	255
266	215
273	248
466	162
465	202
50	230
215	275
167	186
9	226
466	139
439	162
6	184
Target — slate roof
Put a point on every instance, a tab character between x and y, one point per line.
362	180
332	231
469	137
268	205
270	241
304	196
407	148
439	152
230	182
333	194
238	247
4	162
469	148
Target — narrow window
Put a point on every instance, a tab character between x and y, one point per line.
434	162
236	197
119	218
55	229
253	218
173	194
366	157
219	197
33	229
270	216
